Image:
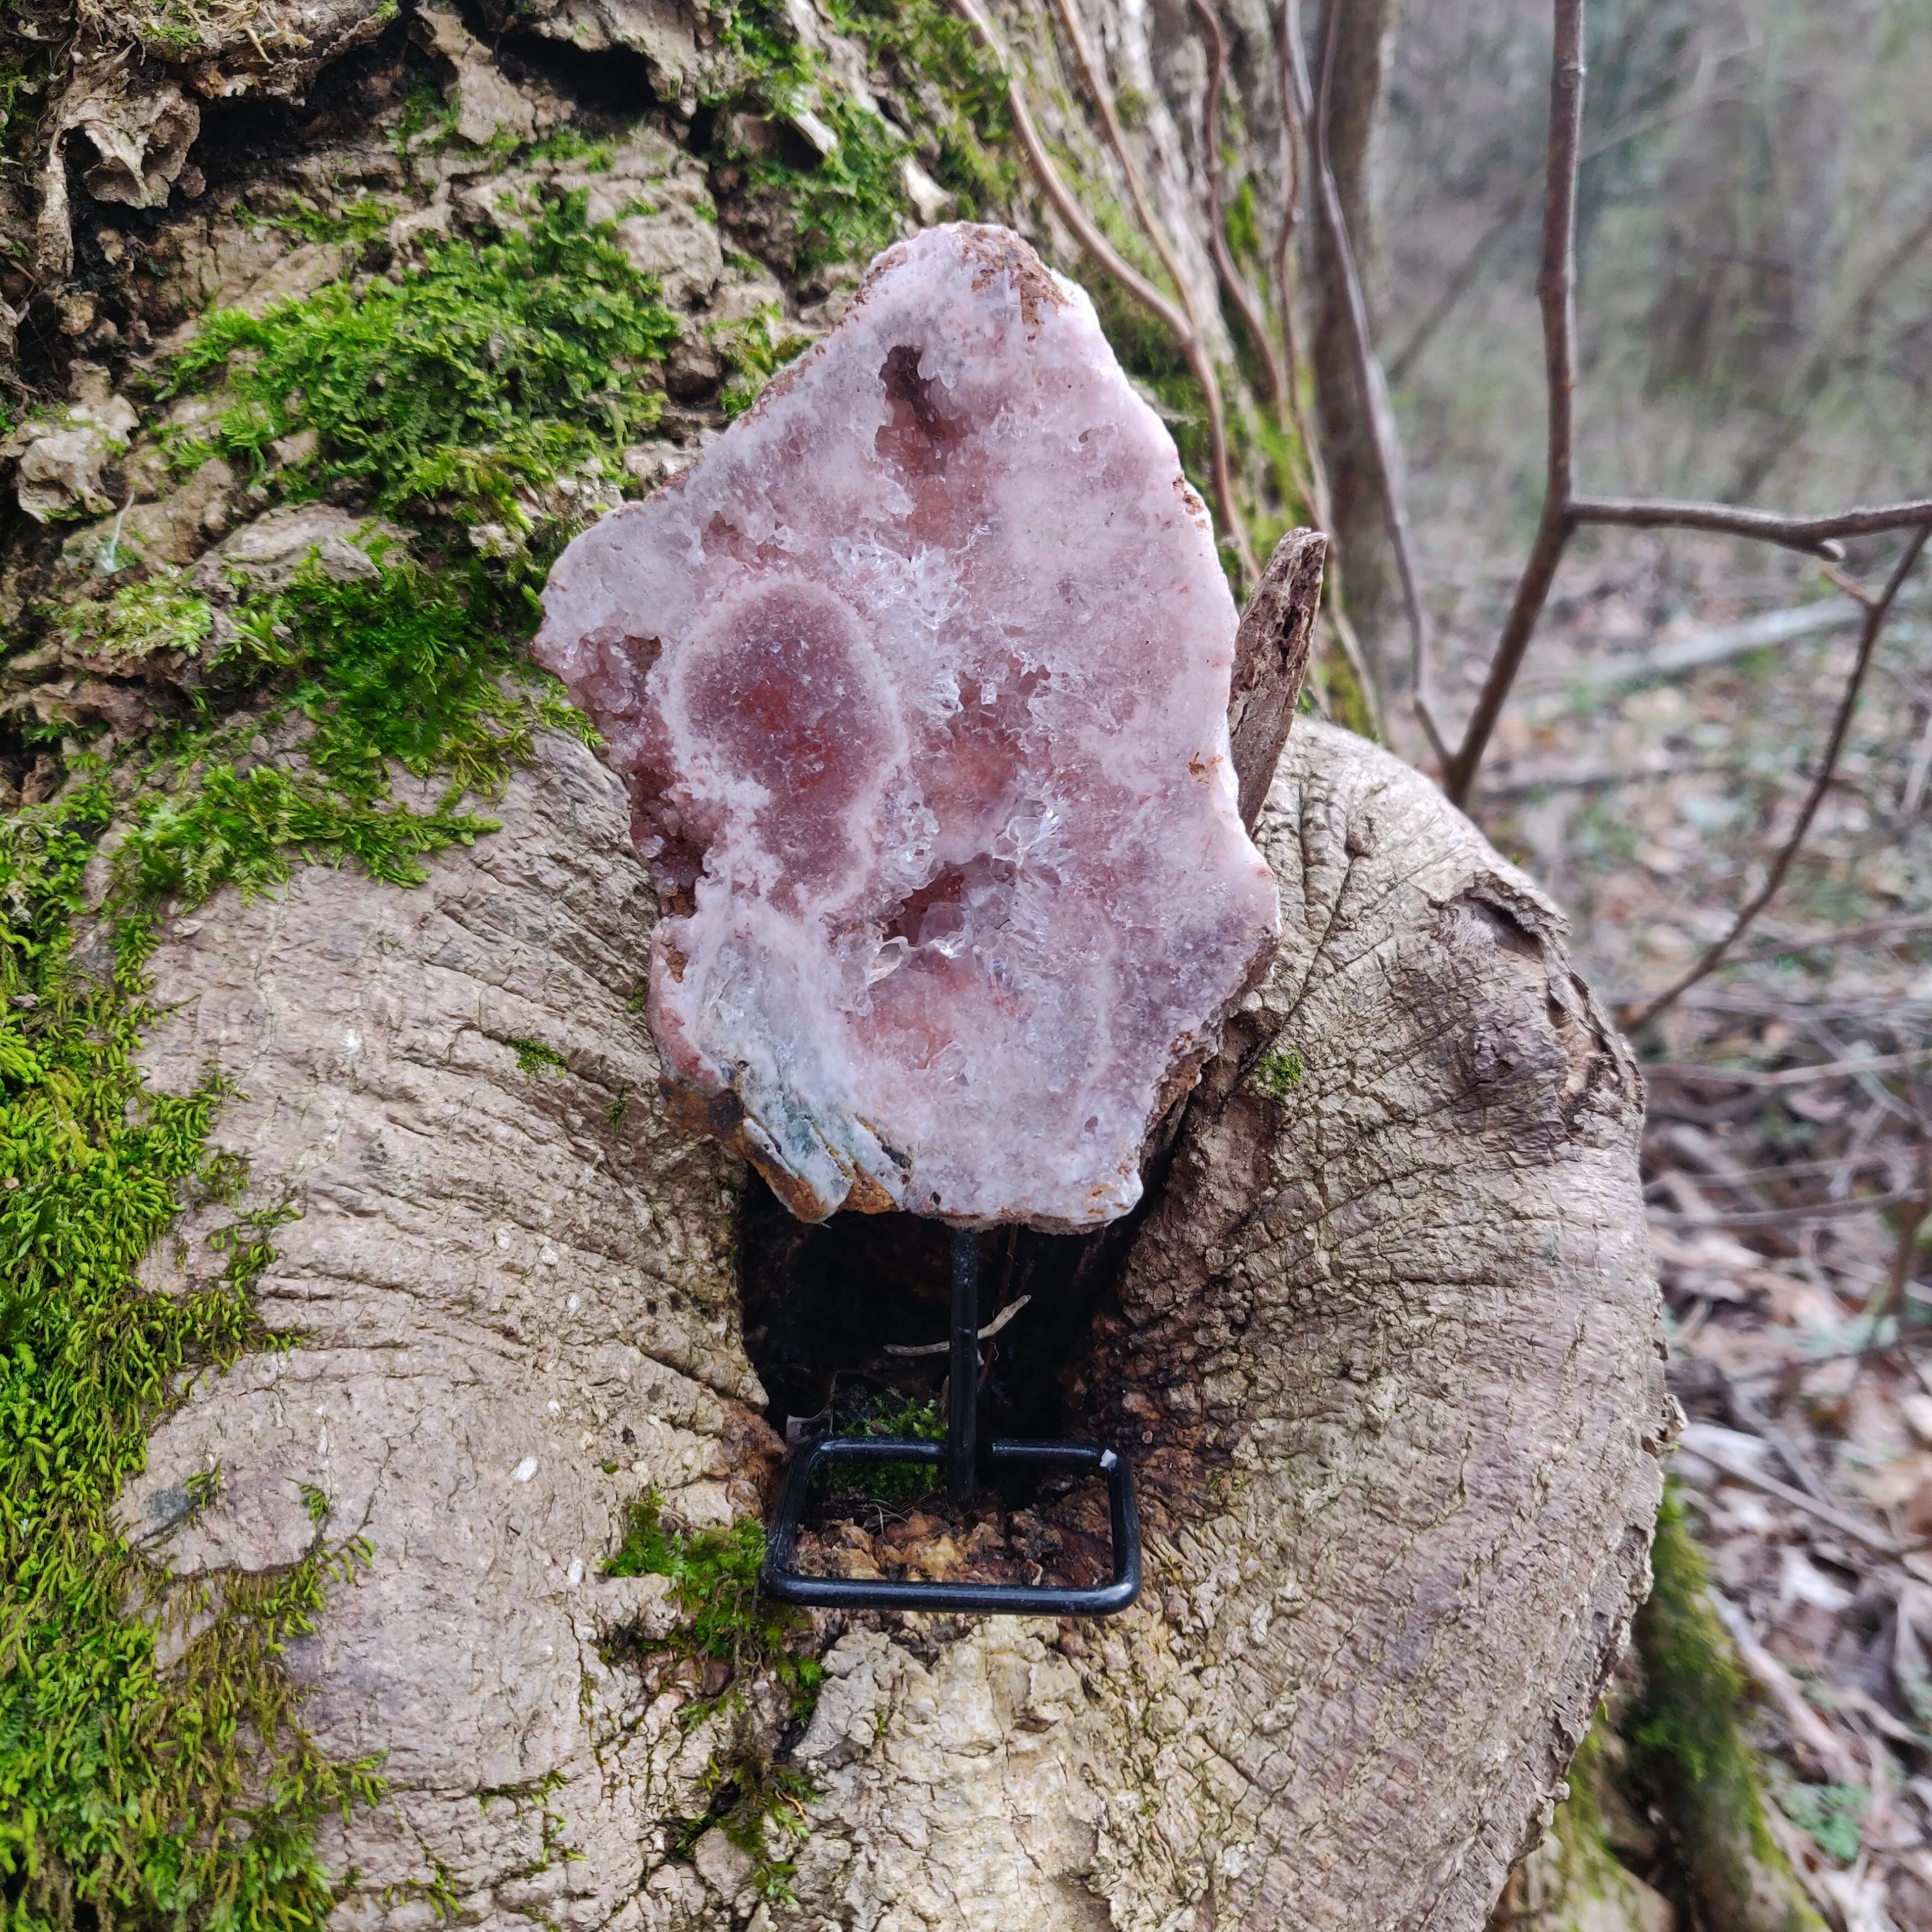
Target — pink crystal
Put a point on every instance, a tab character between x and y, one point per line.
919	679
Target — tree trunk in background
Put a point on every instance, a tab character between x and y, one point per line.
1367	569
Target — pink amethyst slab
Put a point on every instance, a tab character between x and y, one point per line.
920	679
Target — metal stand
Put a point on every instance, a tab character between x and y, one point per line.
962	1455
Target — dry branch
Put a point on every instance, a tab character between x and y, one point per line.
1247	304
1868	637
1817	536
1270	659
1555	290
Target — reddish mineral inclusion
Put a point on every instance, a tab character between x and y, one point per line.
919	679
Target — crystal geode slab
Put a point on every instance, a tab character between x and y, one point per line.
920	679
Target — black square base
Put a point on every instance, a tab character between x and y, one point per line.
779	1579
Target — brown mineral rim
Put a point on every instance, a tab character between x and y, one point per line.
919	678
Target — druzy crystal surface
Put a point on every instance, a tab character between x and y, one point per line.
919	679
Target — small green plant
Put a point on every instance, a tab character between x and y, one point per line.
1280	1073
724	1621
891	1413
752	1798
753	357
203	1488
569	147
356	222
714	1576
534	1059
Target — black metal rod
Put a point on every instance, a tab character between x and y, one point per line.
962	1408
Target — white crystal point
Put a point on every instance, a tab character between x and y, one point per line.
919	679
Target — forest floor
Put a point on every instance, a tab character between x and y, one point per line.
1788	1158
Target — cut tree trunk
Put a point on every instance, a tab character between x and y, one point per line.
1386	1352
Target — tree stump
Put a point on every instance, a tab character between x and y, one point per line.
1386	1351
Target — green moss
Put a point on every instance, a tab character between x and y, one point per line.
133	1789
1688	1744
187	1792
128	1789
848	204
852	202
415	668
1279	1074
714	1575
465	381
949	90
139	619
569	147
753	1799
724	1621
251	830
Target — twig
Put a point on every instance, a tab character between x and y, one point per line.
1744	1178
986	1333
1834	1757
1369	376
1878	932
1095	76
1785	1217
1901	1347
1817	536
1783	1076
1739	1470
1707	647
1794	1459
1102	254
1874	624
1247	304
1555	293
